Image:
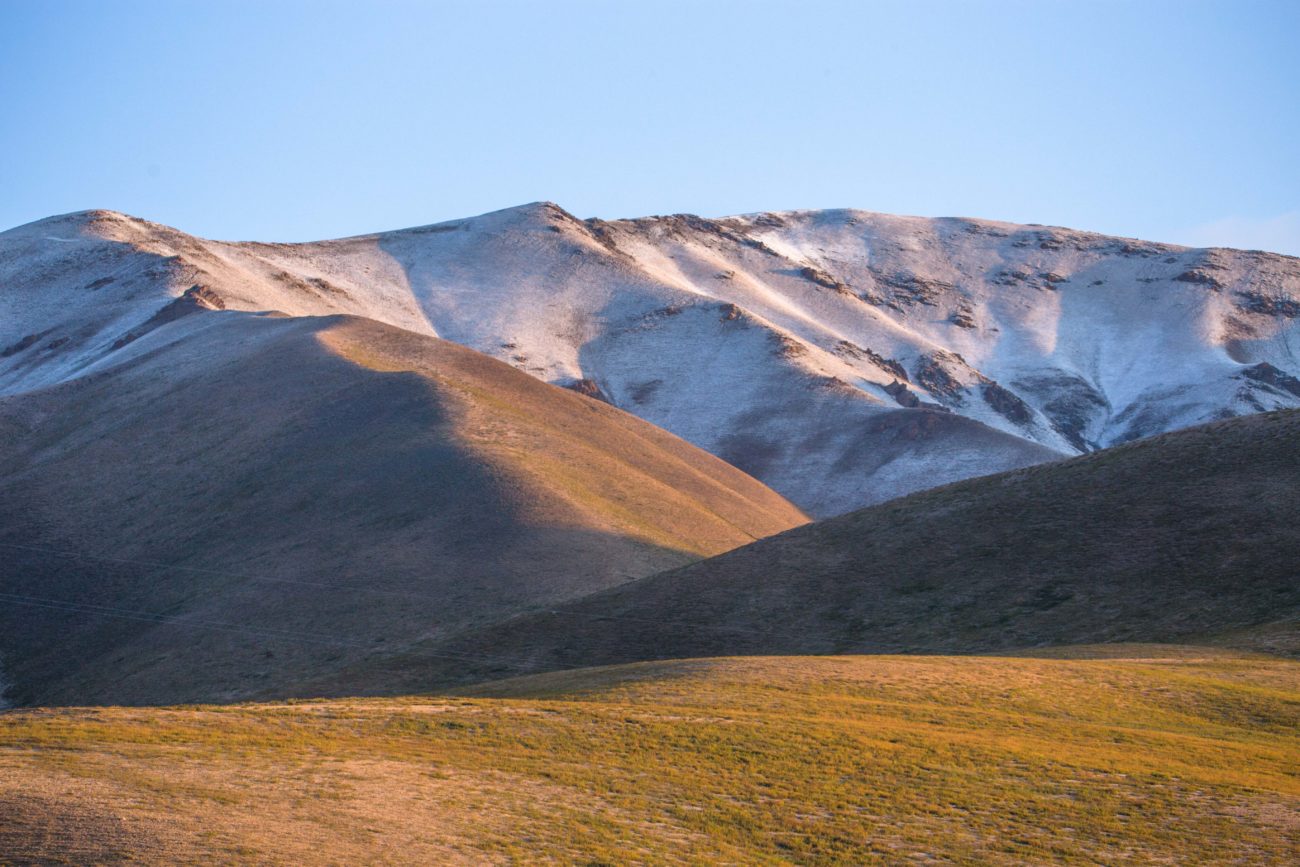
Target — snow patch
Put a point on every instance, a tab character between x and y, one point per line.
768	339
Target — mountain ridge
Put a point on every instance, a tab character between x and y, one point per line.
1183	538
809	348
245	501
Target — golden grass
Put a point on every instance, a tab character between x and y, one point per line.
609	469
1189	756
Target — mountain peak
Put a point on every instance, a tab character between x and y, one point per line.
841	356
74	221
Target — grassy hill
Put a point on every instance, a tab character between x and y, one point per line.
1190	534
1183	755
247	501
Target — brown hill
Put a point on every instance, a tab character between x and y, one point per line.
1186	536
251	500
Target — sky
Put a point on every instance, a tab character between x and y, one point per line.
283	121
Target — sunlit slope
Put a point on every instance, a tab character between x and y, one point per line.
1192	533
1188	758
842	357
245	501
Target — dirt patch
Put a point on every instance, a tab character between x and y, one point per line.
1270	813
37	830
52	818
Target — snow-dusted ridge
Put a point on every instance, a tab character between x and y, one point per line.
842	357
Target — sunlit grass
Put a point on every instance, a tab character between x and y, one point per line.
1190	758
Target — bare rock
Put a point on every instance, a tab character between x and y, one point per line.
821	278
590	388
1269	375
24	343
934	374
963	317
195	299
1007	404
902	395
1268	305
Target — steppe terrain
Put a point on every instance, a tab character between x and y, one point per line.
1119	755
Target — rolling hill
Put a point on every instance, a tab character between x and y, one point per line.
242	502
841	357
235	469
1189	536
1182	756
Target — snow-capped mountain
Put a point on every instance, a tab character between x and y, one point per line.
841	357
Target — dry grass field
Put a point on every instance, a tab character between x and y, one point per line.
1119	755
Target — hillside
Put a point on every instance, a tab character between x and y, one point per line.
242	502
841	357
1182	757
1187	535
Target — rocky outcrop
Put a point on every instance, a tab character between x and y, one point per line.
1269	375
902	395
590	388
1007	404
195	299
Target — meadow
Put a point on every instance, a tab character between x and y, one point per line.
1138	754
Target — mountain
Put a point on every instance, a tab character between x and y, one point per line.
231	503
841	357
1189	536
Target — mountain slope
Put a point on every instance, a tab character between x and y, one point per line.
1173	538
241	501
841	357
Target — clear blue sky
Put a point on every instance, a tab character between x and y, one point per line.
1175	121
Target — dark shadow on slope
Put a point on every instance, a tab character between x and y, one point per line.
301	512
1183	537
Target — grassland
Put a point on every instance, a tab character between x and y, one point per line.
1133	755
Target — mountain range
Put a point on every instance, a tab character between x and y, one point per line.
523	441
841	357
